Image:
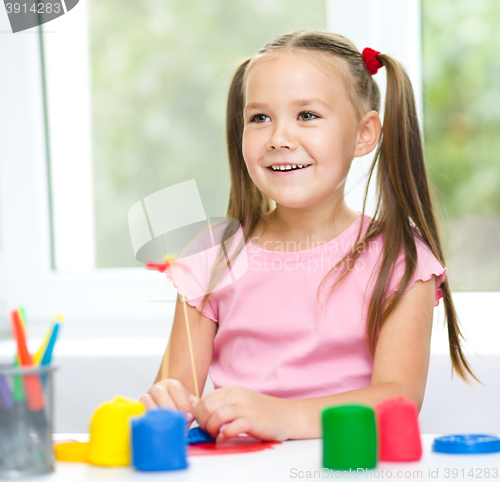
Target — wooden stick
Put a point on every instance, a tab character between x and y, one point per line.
183	298
165	362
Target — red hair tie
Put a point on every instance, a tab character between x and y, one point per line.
371	61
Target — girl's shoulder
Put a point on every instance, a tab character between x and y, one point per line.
427	266
377	242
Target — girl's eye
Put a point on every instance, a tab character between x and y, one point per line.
257	118
307	114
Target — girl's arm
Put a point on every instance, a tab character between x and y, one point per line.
400	368
174	384
400	364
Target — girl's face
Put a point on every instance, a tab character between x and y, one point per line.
297	115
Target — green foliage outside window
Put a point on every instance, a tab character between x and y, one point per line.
461	78
160	77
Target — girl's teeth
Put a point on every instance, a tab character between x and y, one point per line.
275	167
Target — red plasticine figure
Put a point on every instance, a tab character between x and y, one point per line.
235	445
158	266
162	267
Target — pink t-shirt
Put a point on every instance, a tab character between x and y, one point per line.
274	338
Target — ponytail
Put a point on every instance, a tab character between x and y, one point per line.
404	204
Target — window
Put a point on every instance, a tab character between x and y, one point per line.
133	100
128	107
461	73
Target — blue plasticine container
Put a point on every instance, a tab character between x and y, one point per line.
467	444
159	441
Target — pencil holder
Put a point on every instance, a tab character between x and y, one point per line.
26	415
349	437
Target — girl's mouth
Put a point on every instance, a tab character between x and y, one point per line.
281	170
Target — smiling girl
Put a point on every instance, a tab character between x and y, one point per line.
336	306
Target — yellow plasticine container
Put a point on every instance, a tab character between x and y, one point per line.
110	432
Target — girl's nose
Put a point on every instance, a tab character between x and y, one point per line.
282	139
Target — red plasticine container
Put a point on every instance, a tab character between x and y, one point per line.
399	434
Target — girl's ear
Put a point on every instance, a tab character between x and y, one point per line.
369	134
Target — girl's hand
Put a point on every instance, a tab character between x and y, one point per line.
243	411
171	394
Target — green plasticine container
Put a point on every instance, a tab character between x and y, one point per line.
349	437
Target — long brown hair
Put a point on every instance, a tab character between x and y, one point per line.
404	202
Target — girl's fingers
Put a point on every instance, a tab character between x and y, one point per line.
218	418
161	396
240	425
207	405
172	395
201	414
180	397
148	402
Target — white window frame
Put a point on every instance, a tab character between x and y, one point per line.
95	302
117	301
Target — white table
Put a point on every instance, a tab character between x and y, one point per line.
286	462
